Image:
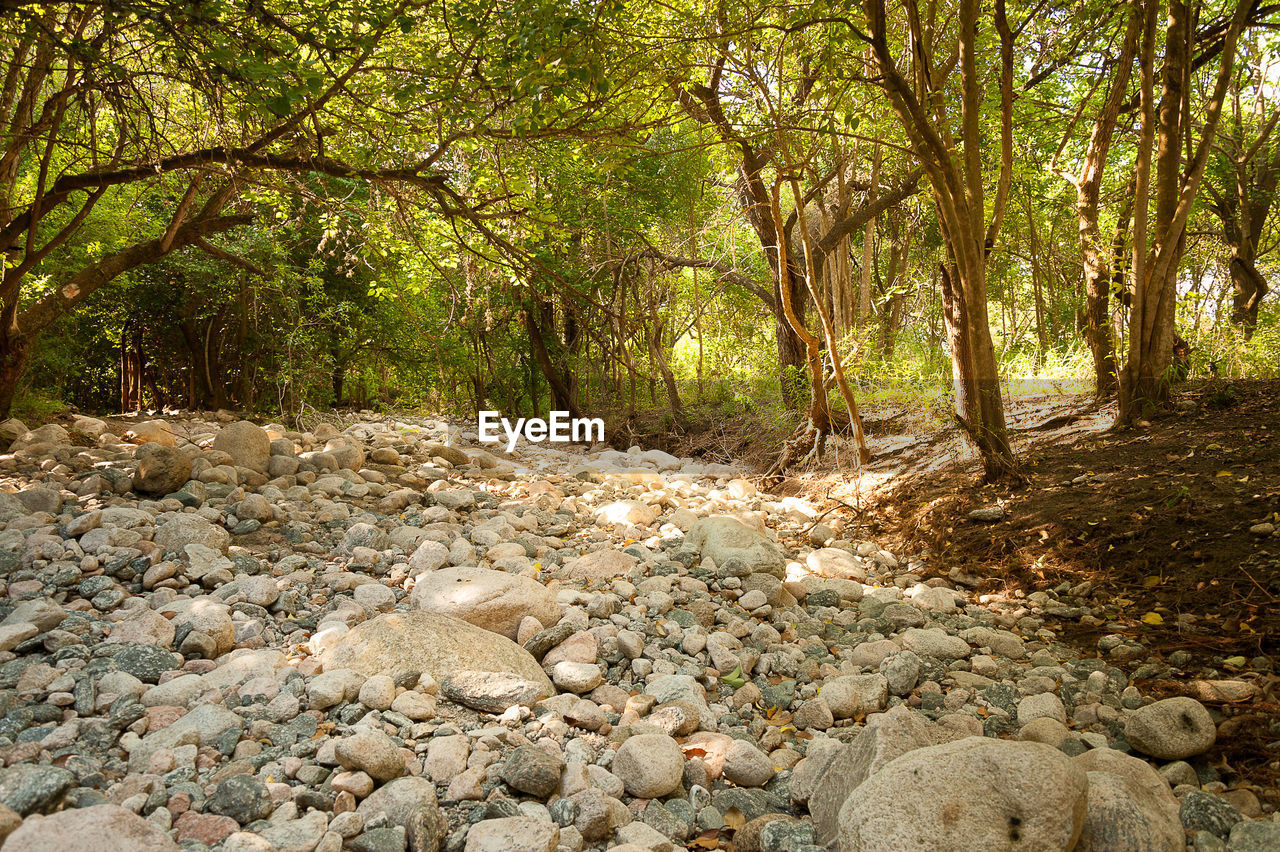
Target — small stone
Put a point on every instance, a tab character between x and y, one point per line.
372	752
649	765
1171	729
244	798
378	692
512	834
1203	811
533	770
576	677
746	765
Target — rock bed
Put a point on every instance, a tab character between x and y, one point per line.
218	635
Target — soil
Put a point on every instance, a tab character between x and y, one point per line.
1156	517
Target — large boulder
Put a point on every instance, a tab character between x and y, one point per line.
975	793
1124	814
10	431
886	737
11	507
494	600
248	444
161	469
49	435
428	642
100	828
723	538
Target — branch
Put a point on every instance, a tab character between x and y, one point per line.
233	259
89	280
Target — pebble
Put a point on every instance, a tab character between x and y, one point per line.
271	646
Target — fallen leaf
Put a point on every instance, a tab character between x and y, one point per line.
734	678
1153	618
709	839
733	819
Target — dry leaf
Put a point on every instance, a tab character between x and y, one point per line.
709	839
733	819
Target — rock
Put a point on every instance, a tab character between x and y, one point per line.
203	725
723	538
576	677
833	563
244	798
851	695
296	835
345	450
408	802
11	507
161	469
30	788
1260	836
99	828
447	757
40	500
533	770
13	634
627	512
152	432
10	431
969	794
746	765
599	565
494	600
179	531
637	835
1123	814
1042	705
145	662
378	692
901	672
649	765
50	434
1203	811
433	644
1171	729
143	626
935	642
429	556
248	445
512	834
372	752
986	514
492	693
886	737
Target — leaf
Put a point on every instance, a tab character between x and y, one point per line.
709	839
1153	618
1151	581
733	819
734	678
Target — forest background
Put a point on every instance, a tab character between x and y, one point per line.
689	211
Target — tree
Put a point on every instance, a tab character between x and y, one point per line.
1147	375
957	181
1243	189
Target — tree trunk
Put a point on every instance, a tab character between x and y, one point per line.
560	395
1249	286
1148	373
792	359
14	350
